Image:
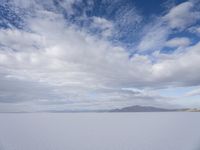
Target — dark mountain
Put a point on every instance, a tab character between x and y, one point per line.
138	108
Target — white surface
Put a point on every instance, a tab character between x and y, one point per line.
100	131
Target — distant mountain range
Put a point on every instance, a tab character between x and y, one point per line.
135	108
138	108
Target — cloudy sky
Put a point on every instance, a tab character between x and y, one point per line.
58	55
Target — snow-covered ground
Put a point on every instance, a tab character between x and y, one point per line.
100	131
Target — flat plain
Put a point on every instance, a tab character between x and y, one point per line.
100	131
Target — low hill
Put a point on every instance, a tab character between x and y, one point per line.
138	108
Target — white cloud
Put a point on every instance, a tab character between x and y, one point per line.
154	37
81	69
20	40
104	25
155	34
195	92
178	42
195	30
182	15
178	69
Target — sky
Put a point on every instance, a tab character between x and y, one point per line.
72	55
